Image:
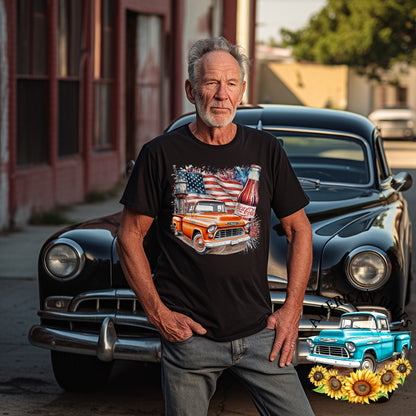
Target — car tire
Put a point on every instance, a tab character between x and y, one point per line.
199	244
80	373
403	353
369	362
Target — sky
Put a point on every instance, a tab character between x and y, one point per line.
272	15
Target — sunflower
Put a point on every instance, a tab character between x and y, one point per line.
317	375
333	385
362	386
403	367
390	378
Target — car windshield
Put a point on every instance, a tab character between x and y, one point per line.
358	322
210	207
327	159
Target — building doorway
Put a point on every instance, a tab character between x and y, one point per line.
146	103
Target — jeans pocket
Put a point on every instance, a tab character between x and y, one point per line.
181	342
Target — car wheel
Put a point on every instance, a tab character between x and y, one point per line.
369	362
403	353
80	373
199	244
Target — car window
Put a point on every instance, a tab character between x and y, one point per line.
358	322
382	323
210	207
327	158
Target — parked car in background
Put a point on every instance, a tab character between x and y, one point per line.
362	245
395	122
362	340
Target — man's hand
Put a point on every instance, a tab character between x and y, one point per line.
133	229
286	323
176	327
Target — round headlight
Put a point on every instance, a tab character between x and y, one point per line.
350	346
63	259
212	228
309	342
368	268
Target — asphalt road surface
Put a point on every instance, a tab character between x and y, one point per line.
27	385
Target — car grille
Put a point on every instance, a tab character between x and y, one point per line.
331	351
229	232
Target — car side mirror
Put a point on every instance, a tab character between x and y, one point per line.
402	181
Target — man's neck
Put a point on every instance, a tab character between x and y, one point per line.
213	135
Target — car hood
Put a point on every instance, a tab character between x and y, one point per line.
332	211
214	217
334	336
328	200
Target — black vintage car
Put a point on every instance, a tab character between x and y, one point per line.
362	244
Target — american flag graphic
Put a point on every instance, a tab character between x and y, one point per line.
207	185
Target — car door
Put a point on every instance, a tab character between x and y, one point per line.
386	338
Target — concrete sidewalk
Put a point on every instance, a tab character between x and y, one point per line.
19	250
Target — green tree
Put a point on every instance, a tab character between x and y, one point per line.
369	35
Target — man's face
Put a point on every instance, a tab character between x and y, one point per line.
219	89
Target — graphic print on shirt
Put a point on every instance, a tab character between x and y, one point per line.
215	210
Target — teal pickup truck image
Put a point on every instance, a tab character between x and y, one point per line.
362	340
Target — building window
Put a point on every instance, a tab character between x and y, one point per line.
32	83
401	96
69	58
104	14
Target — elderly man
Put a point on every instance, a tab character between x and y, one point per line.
209	297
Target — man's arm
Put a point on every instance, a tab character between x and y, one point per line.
299	261
172	325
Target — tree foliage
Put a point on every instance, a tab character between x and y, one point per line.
369	35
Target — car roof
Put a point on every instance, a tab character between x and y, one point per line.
392	111
296	117
375	314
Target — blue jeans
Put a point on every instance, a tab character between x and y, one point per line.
191	368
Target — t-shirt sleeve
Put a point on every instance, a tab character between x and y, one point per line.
143	190
288	196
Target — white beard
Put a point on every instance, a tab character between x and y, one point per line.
209	119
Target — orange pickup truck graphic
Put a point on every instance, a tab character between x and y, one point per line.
207	225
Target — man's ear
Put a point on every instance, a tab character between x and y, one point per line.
243	90
190	92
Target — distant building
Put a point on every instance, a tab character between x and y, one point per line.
85	83
282	80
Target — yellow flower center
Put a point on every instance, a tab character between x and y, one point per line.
318	376
335	383
387	377
402	368
362	388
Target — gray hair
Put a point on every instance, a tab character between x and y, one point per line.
203	46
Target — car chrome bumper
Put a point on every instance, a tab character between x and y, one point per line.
62	329
106	346
334	361
229	242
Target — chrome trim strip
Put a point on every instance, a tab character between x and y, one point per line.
333	361
138	320
230	242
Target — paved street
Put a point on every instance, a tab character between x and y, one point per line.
27	385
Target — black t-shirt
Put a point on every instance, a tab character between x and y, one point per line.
213	263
